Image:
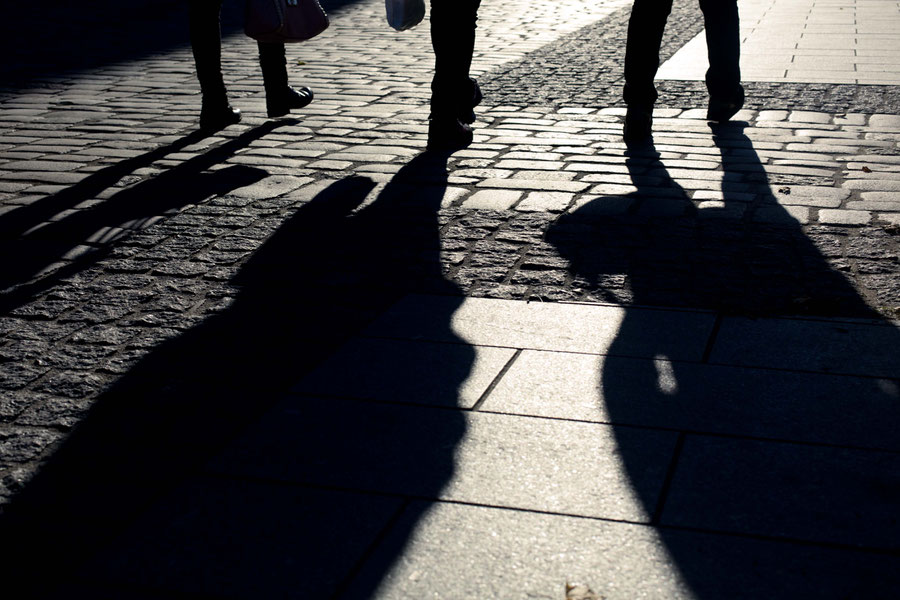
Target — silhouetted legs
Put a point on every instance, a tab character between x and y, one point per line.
645	32
453	93
280	96
723	40
206	42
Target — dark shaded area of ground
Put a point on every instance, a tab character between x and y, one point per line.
44	41
324	275
674	254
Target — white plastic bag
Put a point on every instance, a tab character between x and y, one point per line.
404	14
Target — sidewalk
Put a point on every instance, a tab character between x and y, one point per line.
303	359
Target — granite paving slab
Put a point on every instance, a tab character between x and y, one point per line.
433	453
403	371
852	348
783	490
548	326
787	405
244	539
521	555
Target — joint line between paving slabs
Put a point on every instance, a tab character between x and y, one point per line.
713	335
371	550
667	484
496	380
409	499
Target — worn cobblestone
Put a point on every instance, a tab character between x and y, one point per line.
18	446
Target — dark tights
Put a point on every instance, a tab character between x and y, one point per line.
453	25
206	43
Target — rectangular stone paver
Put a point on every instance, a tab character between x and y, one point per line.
498	460
794	491
214	538
535	184
844	217
737	401
545	202
454	375
809	345
492	199
618	561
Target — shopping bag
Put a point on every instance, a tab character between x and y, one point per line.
284	20
404	14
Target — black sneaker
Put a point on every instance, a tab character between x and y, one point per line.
214	117
281	103
638	126
448	133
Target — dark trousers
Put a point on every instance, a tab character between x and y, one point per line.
453	25
206	43
645	32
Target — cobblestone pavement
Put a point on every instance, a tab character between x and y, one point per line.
151	271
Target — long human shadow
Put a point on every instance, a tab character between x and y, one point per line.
723	258
332	267
35	237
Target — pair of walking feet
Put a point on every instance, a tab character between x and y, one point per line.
452	129
639	121
218	114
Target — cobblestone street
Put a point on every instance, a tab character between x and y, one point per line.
303	358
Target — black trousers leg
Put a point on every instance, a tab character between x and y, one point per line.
723	79
453	24
206	44
274	66
645	32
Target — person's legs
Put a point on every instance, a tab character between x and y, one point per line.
723	78
206	44
453	24
453	92
273	62
645	32
280	96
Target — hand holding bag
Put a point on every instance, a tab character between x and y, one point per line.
404	14
284	20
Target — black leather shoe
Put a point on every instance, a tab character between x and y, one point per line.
214	117
281	103
638	126
448	133
721	110
466	112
